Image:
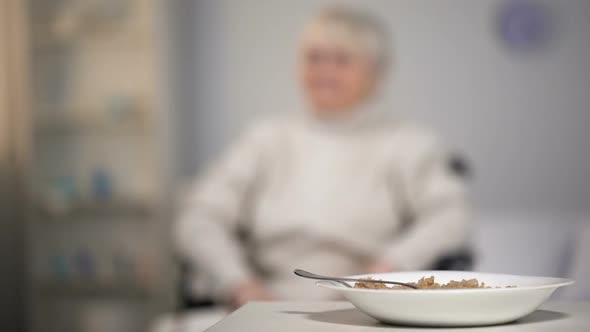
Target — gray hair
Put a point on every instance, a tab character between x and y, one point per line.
352	28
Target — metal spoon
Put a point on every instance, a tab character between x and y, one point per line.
340	280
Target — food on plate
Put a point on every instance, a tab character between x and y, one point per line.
426	283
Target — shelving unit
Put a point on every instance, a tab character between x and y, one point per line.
112	211
98	212
86	290
72	126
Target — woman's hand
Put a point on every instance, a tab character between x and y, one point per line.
379	266
250	290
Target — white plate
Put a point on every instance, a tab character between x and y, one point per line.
451	307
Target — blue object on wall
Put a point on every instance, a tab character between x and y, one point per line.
523	24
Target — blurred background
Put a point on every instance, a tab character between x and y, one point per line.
109	107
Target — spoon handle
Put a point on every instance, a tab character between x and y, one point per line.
309	275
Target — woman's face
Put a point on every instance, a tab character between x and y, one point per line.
336	79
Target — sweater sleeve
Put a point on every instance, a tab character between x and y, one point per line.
206	231
435	205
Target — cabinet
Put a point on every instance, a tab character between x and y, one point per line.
96	196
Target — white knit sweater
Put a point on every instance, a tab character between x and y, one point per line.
327	196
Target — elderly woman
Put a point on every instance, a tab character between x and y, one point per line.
341	189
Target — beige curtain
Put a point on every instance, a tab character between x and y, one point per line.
14	151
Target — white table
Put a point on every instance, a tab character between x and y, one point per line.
342	316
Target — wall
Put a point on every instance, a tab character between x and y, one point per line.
519	118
